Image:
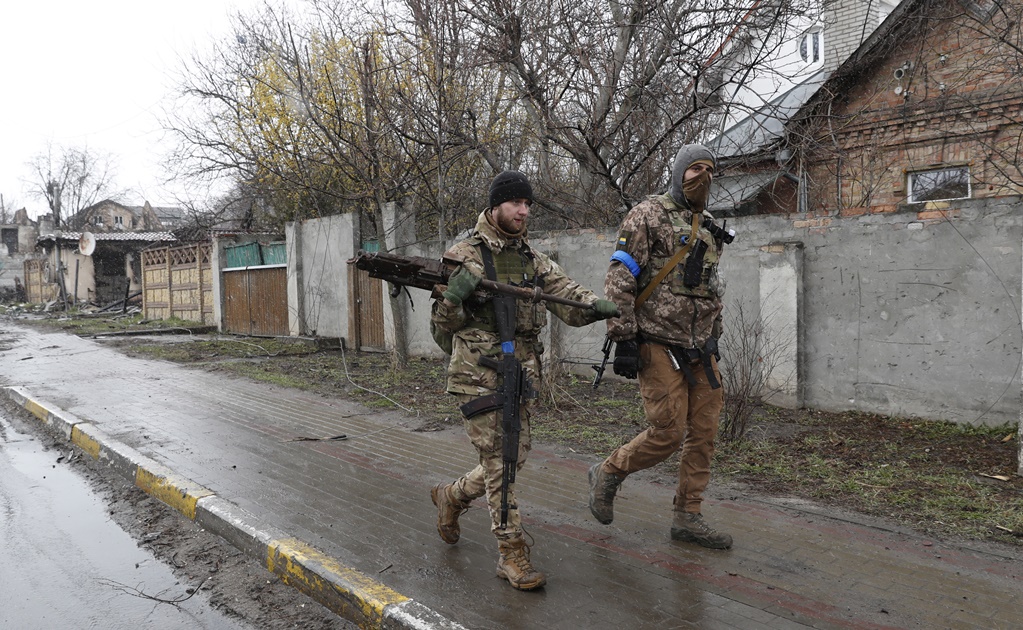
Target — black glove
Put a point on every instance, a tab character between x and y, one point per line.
627	361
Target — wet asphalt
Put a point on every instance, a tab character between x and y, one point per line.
351	522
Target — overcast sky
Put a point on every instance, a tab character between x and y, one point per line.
96	74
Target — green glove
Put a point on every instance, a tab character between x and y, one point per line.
461	284
606	309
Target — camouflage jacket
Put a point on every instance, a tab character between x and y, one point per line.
471	326
675	314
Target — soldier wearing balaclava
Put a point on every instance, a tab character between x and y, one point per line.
664	278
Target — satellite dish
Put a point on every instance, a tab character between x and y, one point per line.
87	243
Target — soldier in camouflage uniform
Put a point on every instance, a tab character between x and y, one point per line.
467	328
670	341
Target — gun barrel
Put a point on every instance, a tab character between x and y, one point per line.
426	273
526	293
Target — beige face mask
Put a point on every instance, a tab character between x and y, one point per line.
697	190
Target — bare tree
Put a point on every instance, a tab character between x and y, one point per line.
71	179
421	103
750	366
611	89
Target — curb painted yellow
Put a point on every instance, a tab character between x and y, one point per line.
37	410
86	443
326	581
181	494
344	591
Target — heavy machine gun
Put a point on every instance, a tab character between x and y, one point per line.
428	273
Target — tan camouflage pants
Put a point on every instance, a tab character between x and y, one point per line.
485	433
678	415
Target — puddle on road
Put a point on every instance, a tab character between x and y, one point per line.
67	564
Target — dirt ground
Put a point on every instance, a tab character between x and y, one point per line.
234	583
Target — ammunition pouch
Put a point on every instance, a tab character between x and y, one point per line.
692	273
686	358
484	404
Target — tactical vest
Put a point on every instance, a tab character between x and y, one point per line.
701	275
511	266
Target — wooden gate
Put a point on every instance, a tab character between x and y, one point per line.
39	287
178	282
366	314
256	300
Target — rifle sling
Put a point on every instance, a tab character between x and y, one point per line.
675	260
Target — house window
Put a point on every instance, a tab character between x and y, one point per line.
119	220
97	220
939	185
810	46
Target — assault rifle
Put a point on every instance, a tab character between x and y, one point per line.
606	351
428	273
514	389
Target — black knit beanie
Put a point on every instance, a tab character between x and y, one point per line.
509	185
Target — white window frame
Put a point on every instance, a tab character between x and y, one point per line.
811	46
915	178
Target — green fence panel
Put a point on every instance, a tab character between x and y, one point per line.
274	254
247	255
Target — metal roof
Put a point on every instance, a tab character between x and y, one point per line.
731	191
767	124
112	236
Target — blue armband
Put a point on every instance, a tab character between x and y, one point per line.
625	259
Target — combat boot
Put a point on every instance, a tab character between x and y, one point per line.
448	511
692	528
514	566
603	487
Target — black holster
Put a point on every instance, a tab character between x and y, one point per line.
687	357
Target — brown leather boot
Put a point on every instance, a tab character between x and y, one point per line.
514	566
603	487
448	511
692	528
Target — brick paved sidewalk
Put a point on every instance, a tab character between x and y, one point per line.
362	505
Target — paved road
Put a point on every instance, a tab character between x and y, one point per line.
67	565
364	504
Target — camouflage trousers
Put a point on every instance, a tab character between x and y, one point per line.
679	414
485	433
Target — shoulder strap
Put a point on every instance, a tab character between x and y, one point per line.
488	262
504	305
675	260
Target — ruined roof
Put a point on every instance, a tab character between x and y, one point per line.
112	236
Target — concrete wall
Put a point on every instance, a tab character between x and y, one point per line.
318	251
883	313
900	316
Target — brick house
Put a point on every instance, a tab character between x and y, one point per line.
883	207
758	175
926	111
